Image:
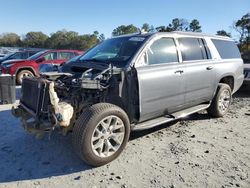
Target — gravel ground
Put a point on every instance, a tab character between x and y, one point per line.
194	152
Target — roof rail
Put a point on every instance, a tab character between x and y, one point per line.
200	34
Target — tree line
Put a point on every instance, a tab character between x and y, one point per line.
60	40
72	40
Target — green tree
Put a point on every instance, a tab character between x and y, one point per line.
35	39
10	40
62	40
242	26
146	27
178	24
96	33
194	26
223	33
88	41
101	37
123	29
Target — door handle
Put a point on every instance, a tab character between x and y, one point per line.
210	68
179	72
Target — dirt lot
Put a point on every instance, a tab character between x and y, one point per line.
195	152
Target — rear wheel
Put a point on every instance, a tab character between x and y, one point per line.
221	102
22	74
101	133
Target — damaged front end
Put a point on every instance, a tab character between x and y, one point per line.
55	100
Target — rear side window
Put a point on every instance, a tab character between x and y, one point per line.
193	49
65	55
162	51
226	49
50	56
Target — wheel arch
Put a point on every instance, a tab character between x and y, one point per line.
229	80
26	68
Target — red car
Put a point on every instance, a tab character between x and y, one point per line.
30	67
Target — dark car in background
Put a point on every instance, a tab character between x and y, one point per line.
30	66
19	55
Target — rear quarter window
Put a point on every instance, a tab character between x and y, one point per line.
227	49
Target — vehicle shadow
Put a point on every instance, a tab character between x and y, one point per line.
23	157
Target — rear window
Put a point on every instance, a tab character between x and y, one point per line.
226	49
65	55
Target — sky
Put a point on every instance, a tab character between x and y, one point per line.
83	16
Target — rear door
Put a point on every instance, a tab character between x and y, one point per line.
160	81
199	70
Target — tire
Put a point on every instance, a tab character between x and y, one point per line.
221	101
22	74
91	126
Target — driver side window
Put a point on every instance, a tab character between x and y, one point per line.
162	51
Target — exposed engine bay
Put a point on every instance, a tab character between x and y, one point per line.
55	100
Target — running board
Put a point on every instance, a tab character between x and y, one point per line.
164	119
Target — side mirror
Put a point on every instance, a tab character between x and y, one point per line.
40	60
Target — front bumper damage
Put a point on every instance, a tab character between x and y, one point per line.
48	113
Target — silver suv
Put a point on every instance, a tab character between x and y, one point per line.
129	83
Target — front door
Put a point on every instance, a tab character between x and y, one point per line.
160	79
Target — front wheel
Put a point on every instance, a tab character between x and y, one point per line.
221	102
101	133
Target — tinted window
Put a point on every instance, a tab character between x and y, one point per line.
162	51
32	53
50	56
192	49
65	55
226	49
18	55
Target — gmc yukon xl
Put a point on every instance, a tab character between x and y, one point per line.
131	83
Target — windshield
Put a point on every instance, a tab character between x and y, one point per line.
117	51
35	56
